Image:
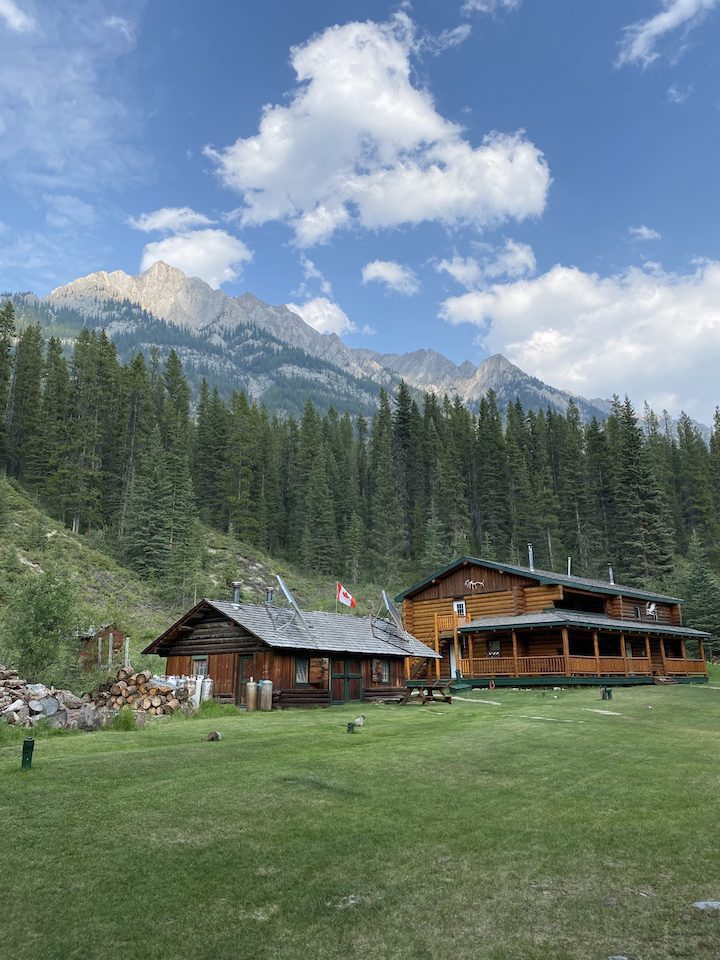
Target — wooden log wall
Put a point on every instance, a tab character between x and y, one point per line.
212	635
667	613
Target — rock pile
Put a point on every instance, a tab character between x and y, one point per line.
23	704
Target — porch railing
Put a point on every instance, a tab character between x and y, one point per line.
673	665
450	622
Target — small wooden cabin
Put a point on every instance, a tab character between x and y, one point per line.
102	647
494	621
312	658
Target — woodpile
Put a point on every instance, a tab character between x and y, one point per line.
141	691
23	703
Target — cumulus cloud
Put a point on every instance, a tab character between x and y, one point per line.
677	93
323	315
644	233
387	157
169	219
213	255
16	19
639	41
394	275
647	331
312	273
512	260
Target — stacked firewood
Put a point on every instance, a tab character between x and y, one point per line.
141	691
23	703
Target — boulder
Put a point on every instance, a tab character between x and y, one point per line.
57	719
50	706
68	699
38	690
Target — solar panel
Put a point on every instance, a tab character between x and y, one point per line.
393	611
291	600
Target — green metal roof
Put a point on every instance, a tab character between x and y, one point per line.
575	618
542	576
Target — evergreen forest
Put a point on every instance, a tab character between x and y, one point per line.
118	449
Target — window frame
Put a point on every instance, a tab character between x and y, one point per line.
201	659
494	652
460	603
306	681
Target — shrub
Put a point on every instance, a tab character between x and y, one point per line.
124	721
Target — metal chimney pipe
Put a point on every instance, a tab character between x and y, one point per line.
569	573
611	575
236	584
531	557
269	595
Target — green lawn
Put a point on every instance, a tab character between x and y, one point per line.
463	831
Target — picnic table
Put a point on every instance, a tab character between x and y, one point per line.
436	692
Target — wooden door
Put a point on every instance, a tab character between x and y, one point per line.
244	672
346	681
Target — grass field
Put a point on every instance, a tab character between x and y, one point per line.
534	828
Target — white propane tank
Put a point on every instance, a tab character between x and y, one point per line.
207	689
251	689
266	695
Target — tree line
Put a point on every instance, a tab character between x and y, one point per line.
116	448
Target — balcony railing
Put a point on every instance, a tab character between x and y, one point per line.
450	622
555	666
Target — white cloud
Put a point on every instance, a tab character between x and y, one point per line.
448	39
387	157
394	275
512	260
64	210
489	6
16	19
644	233
169	219
323	315
213	255
311	272
647	331
66	116
640	39
677	93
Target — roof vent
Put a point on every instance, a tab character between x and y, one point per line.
269	595
611	575
569	573
236	584
531	557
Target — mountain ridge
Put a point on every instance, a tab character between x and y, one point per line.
165	293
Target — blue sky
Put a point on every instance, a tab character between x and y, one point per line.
538	179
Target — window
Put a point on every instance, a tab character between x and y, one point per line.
380	671
200	666
493	648
638	613
459	607
302	670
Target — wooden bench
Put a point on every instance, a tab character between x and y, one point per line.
429	693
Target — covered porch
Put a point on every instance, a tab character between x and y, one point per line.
605	649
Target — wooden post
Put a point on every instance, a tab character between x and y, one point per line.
566	650
471	654
127	652
683	648
456	648
647	651
515	655
437	649
662	654
701	645
596	647
623	652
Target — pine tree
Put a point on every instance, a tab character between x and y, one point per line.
7	332
701	589
23	417
319	539
146	543
386	509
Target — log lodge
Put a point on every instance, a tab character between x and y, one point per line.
312	658
497	624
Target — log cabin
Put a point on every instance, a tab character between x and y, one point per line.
312	658
497	624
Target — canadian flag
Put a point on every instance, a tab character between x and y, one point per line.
344	597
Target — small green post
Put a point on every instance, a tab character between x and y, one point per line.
28	745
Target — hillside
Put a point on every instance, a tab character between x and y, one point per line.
32	542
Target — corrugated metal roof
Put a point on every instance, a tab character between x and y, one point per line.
326	632
543	576
575	618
